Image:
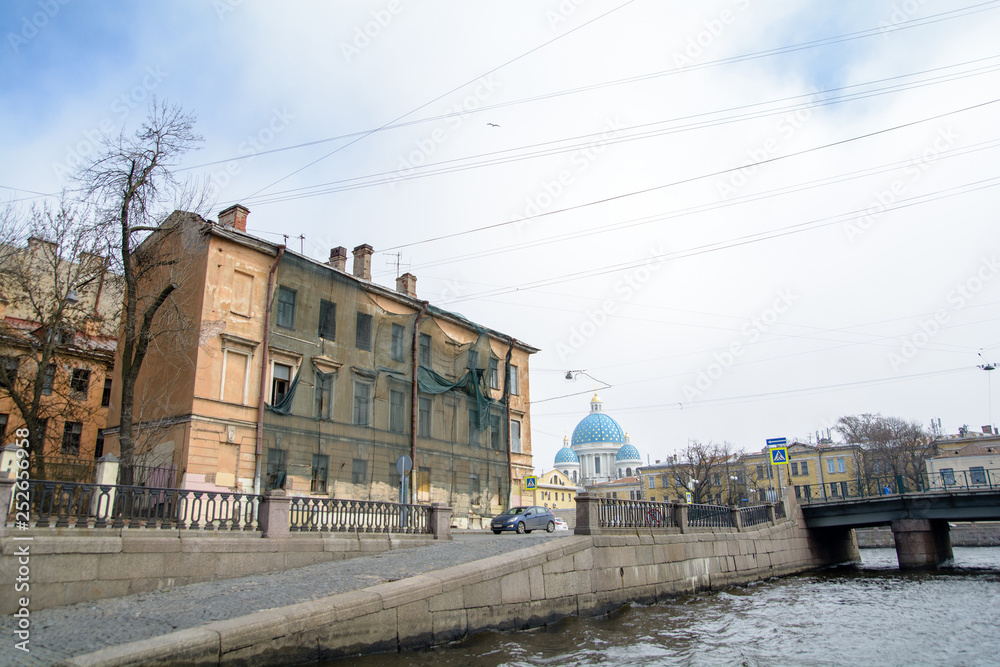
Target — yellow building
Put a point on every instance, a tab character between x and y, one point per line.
554	490
812	471
301	377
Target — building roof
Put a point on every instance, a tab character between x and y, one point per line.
628	452
566	455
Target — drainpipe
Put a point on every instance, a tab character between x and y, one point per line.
414	402
506	401
264	359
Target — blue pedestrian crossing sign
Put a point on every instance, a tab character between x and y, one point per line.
779	456
530	483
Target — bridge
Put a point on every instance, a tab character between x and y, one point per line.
919	520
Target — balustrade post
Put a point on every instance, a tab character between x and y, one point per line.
681	516
274	512
440	521
588	520
737	519
771	514
105	474
6	496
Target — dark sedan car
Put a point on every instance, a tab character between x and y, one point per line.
525	520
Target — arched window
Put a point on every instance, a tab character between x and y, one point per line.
574	477
628	472
597	465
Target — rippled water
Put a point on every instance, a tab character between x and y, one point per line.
873	615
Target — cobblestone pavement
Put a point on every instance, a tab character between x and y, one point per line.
62	632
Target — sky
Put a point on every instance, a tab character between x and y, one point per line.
737	219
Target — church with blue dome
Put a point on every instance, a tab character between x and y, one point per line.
600	450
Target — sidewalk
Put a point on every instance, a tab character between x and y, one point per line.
62	632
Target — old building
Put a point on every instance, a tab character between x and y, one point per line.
823	471
300	375
554	490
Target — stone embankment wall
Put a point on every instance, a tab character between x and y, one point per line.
971	534
576	575
77	565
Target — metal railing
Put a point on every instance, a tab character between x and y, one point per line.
753	516
710	516
62	468
74	505
362	516
885	485
779	510
614	513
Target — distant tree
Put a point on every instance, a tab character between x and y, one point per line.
51	287
705	469
890	447
134	188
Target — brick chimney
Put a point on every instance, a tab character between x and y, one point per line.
338	258
235	216
407	284
363	261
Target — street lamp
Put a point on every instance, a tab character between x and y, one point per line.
572	375
734	479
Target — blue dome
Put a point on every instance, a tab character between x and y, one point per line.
597	427
628	453
566	455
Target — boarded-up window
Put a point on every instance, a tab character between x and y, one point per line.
235	381
242	293
424	484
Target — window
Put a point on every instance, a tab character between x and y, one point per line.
597	465
425	350
977	475
281	380
807	491
833	489
495	432
948	476
614	494
424	484
841	467
396	352
843	489
9	366
320	471
715	479
286	308
760	472
43	428
424	417
71	438
276	470
359	471
49	379
106	396
515	436
327	320
798	491
515	387
473	427
494	374
795	470
362	403
804	467
3	427
652	482
79	383
363	332
397	411
99	444
474	489
830	463
323	396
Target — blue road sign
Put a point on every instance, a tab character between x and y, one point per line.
776	442
530	482
779	456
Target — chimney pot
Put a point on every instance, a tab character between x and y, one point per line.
235	216
363	261
407	284
338	258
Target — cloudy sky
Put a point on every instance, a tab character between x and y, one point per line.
748	217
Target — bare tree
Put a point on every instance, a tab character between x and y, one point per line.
134	185
707	467
55	293
891	447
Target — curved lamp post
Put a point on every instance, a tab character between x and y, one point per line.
572	375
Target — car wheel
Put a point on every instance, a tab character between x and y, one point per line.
520	528
551	527
497	532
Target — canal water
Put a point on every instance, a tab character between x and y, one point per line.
867	615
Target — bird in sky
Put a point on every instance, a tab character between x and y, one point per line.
492	124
